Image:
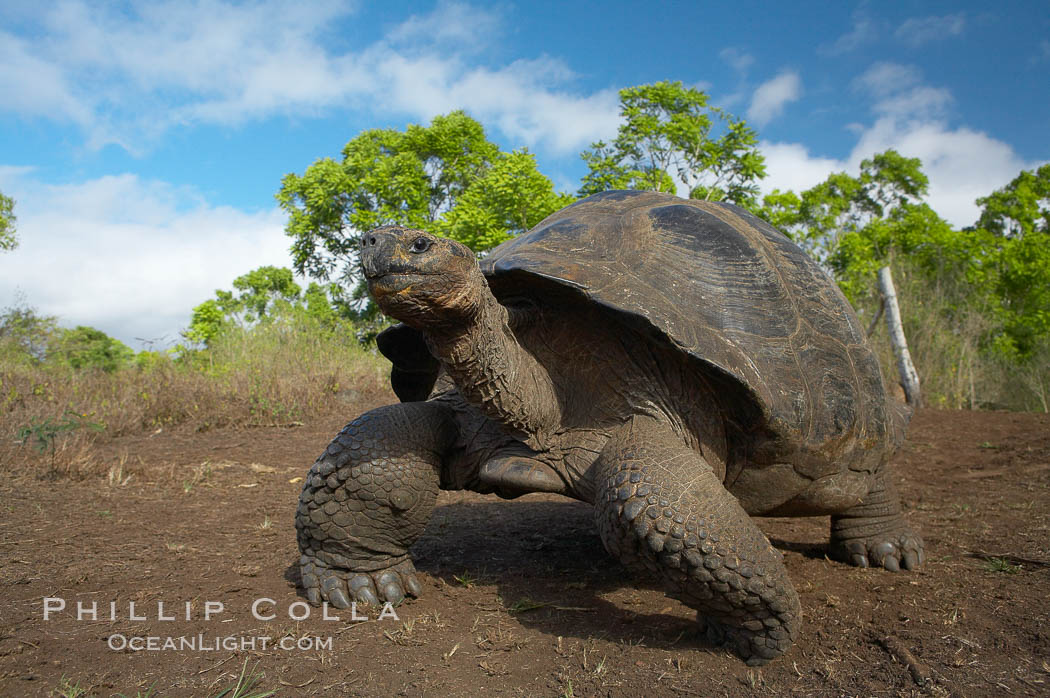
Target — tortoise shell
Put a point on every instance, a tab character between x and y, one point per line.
736	295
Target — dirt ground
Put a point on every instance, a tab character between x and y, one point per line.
520	598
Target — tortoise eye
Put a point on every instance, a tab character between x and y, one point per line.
421	244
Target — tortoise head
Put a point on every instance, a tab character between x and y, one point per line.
425	281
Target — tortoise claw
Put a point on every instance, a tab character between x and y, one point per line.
892	551
341	587
412	586
363	589
313	595
337	598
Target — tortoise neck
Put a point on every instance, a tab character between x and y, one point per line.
493	371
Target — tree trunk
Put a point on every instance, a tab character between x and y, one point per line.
909	378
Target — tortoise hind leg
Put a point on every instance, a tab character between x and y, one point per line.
660	505
874	534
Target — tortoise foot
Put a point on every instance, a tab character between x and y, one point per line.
366	500
893	550
874	534
340	587
754	642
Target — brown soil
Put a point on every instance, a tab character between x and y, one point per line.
520	597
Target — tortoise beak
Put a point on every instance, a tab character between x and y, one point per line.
379	254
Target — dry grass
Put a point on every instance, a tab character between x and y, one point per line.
288	371
270	375
945	333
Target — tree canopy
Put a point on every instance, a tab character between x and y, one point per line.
509	199
263	295
669	137
446	178
854	225
888	187
87	347
1016	222
8	236
25	335
1020	208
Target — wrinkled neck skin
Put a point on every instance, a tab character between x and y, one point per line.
494	372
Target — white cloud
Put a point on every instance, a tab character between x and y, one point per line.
863	31
919	102
962	164
513	99
129	75
885	78
898	91
469	27
738	60
922	30
34	87
770	97
909	116
791	167
128	256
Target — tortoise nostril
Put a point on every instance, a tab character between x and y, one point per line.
372	240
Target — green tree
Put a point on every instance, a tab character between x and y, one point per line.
8	236
886	191
86	347
669	137
261	290
1017	220
511	198
418	178
207	322
324	303
1020	208
264	295
25	335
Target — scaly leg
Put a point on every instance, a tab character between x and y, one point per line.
874	534
367	499
660	505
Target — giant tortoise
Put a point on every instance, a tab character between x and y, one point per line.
679	364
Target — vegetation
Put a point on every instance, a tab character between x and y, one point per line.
277	372
87	347
446	178
42	434
264	295
976	301
247	684
24	335
8	238
667	139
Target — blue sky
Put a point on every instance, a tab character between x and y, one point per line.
143	142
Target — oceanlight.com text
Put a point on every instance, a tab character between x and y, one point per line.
213	643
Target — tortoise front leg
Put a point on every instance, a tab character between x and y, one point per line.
367	499
660	505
